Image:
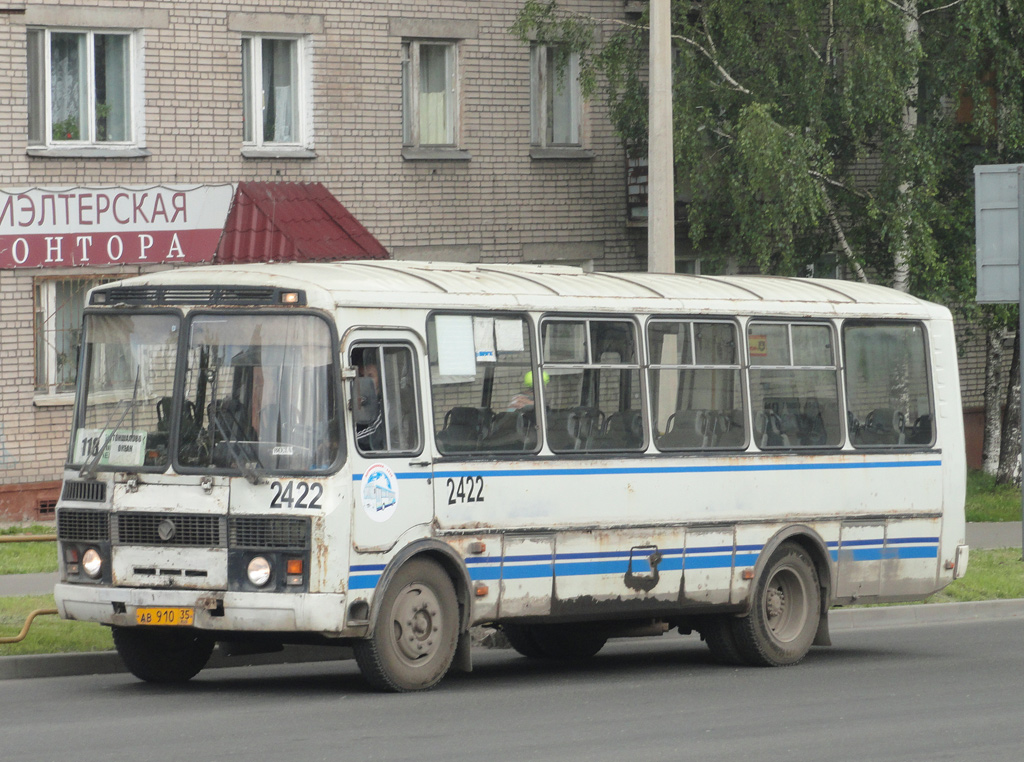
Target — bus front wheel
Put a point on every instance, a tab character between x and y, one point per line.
784	616
162	654
416	631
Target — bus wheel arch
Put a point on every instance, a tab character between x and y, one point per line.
418	622
787	607
817	550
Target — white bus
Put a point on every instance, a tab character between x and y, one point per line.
382	455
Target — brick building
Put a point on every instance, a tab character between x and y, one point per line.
127	127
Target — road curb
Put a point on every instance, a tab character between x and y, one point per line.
840	620
925	613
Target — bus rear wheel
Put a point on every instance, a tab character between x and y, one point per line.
718	634
568	642
416	631
786	609
162	654
520	637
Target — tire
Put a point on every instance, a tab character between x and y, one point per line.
718	634
520	637
415	633
786	609
566	642
162	654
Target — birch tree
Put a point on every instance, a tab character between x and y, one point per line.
797	127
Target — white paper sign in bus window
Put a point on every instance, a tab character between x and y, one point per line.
126	448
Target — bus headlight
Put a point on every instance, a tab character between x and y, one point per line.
258	571
92	563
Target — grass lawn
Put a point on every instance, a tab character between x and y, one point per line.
988	501
48	634
991	575
28	557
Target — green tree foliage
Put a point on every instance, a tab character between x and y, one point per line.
801	127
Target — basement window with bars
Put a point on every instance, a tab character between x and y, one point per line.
58	333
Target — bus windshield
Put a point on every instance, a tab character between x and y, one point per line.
258	394
123	421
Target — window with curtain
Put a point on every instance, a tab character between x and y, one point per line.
59	303
428	93
271	91
555	97
80	87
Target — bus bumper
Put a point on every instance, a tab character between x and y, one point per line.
213	610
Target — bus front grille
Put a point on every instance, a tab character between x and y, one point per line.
83	526
269	533
175	529
87	492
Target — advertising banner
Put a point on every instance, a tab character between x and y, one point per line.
120	225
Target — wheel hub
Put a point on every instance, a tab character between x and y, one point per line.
775	604
417	622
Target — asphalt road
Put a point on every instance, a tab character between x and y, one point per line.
924	692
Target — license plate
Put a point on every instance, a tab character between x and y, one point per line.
167	616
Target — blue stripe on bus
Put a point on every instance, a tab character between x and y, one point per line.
627	470
363	581
578	564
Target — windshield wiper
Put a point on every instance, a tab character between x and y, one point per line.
88	471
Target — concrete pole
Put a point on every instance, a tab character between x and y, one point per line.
661	226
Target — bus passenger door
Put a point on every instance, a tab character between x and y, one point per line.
391	470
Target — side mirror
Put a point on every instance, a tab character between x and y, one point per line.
364	403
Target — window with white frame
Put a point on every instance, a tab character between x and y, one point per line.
556	103
80	87
273	75
59	303
429	94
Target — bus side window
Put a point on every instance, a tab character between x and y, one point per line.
887	388
695	385
591	390
384	399
482	384
794	385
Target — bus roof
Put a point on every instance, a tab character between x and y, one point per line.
445	285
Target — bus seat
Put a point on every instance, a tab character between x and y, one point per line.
573	428
725	430
811	424
687	430
229	420
464	429
585	423
557	432
512	430
921	432
883	426
624	430
779	423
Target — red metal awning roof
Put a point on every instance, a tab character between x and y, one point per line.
292	222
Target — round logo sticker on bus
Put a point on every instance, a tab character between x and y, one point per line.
380	492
